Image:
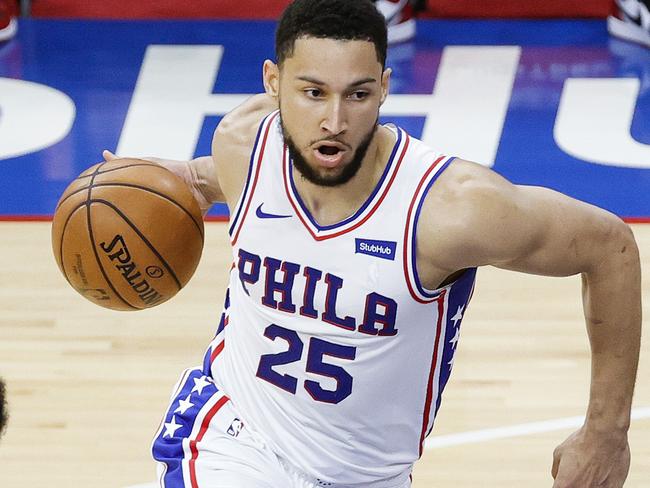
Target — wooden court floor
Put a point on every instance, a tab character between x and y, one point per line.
87	386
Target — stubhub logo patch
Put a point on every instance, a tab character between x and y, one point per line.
378	249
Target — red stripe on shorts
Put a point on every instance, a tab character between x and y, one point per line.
217	351
204	427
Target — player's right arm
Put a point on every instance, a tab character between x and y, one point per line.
221	177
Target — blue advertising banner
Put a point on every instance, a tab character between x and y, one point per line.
552	103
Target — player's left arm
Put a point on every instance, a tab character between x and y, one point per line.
540	231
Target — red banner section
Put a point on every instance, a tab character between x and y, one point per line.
271	9
518	8
160	9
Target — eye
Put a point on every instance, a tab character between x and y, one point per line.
359	95
312	92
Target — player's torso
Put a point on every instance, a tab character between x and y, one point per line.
332	350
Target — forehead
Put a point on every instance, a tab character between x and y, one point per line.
332	59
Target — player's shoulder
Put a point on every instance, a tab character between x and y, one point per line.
465	202
239	127
466	186
233	142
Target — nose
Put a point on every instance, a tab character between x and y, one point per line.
334	120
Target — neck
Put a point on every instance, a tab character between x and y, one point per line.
329	205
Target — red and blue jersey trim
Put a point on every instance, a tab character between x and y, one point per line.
434	370
451	303
320	233
417	291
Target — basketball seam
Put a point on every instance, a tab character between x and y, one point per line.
65	225
97	172
144	188
81	177
144	239
92	241
169	199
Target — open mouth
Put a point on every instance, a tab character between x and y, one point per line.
328	150
329	155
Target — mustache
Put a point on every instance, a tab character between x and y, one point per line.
330	139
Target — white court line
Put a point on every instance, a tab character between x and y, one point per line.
482	435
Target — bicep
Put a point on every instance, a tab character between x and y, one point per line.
555	235
523	228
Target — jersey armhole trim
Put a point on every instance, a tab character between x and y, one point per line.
415	287
241	209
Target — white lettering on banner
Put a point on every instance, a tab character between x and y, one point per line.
32	117
172	96
465	113
594	119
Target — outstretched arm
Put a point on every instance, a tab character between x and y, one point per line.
221	177
539	231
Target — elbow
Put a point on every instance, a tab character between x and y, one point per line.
626	245
619	249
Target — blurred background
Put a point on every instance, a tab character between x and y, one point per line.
552	93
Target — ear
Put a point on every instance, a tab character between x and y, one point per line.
385	84
271	76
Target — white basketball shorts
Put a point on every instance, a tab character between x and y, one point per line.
202	443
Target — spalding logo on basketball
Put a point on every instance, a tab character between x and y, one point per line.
127	234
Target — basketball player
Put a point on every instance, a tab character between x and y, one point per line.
355	248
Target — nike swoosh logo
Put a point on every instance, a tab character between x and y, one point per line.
263	215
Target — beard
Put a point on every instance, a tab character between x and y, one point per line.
322	178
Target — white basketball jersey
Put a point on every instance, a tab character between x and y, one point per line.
330	347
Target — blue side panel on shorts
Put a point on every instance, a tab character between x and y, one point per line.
97	63
194	391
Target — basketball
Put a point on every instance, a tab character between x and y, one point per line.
127	234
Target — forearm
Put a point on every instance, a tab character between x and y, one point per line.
612	304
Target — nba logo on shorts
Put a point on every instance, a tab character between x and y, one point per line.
235	427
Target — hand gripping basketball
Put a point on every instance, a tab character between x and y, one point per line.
127	234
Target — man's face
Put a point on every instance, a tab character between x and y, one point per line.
329	94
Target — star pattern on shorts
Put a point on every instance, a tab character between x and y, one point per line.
184	405
171	427
199	384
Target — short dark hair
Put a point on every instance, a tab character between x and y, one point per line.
347	20
4	415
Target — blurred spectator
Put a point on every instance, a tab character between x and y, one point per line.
400	18
8	24
632	23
